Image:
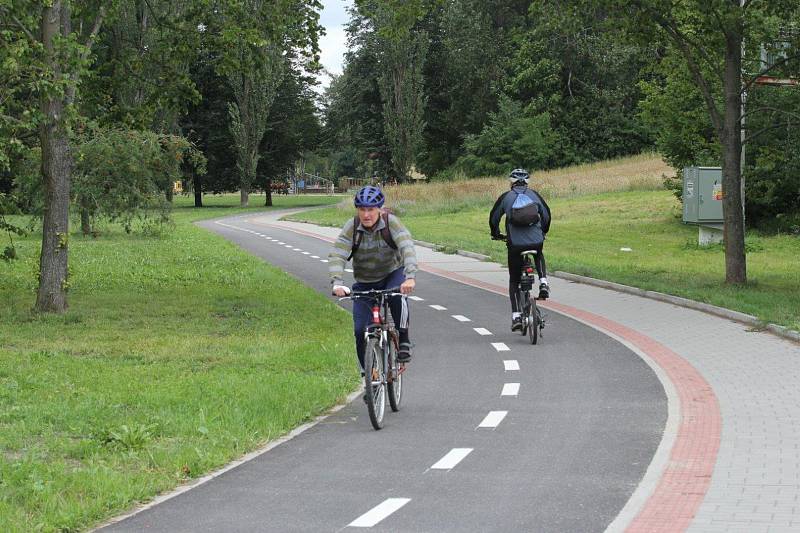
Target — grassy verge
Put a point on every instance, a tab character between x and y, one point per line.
178	354
589	230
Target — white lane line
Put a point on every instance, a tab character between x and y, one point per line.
461	318
314	257
416	298
378	513
500	347
297	249
306	253
439	307
452	458
511	364
510	389
323	260
493	419
287	245
348	269
482	331
279	242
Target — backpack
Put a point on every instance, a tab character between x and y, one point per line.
385	233
524	211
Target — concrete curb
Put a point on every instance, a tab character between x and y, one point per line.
473	255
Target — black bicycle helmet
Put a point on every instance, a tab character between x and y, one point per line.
369	196
518	174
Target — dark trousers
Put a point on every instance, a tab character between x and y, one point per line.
362	310
515	270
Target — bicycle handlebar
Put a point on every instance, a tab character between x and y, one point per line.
372	294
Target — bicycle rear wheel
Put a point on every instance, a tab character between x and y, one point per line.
394	381
374	390
525	308
533	320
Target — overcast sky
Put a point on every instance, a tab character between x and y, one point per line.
334	43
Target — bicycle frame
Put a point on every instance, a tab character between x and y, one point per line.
381	333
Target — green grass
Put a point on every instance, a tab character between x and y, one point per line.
588	232
178	354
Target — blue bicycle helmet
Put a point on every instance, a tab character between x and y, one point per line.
518	174
369	196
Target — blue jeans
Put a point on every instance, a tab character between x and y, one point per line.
362	311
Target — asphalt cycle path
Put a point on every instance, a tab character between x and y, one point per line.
494	434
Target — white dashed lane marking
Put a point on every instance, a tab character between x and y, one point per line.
510	389
461	318
378	513
453	457
500	347
297	249
306	253
439	307
482	331
416	298
348	269
493	419
314	257
511	364
323	260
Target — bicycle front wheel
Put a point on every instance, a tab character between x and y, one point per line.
533	320
394	382
374	389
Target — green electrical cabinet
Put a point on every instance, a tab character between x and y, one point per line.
702	196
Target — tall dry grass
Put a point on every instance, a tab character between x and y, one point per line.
641	172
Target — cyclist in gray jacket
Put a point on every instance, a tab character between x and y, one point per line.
383	258
529	235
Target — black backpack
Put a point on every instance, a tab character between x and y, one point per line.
527	214
385	233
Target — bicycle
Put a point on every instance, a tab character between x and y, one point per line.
383	375
531	313
533	320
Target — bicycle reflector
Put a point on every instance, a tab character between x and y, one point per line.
529	270
376	315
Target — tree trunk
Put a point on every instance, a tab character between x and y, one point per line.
268	193
198	190
244	196
733	216
86	222
52	293
169	194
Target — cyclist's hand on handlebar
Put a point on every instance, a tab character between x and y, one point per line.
407	287
340	290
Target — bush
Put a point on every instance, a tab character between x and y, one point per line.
512	138
122	174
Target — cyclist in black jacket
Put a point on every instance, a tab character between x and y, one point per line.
526	234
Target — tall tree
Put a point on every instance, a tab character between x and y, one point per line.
709	38
402	49
58	40
254	39
254	86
